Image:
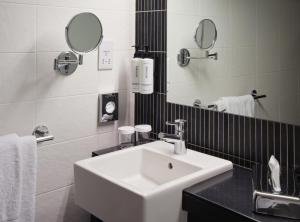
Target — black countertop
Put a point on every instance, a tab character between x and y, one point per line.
229	193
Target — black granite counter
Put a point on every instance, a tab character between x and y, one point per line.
227	197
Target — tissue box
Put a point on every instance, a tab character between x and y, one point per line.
265	201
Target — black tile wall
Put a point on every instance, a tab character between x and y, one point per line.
240	139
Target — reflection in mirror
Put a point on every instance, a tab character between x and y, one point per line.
206	34
84	32
258	59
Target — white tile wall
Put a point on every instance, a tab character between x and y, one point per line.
258	44
32	93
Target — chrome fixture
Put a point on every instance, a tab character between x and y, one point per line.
257	97
42	134
266	198
205	37
184	57
84	33
108	108
178	138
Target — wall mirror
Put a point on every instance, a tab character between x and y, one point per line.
258	45
206	34
83	34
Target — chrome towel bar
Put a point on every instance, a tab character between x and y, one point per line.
42	134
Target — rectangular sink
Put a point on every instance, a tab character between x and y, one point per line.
142	170
141	184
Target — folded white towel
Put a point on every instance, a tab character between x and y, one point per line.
29	171
240	105
10	177
17	178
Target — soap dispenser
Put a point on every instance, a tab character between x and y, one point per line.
136	65
146	77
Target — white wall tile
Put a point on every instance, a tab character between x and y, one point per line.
51	23
17	118
50	83
69	117
243	61
17	77
119	77
32	93
59	206
17	25
243	21
56	161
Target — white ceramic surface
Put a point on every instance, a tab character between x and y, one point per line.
142	184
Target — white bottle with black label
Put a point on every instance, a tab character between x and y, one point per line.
146	76
136	65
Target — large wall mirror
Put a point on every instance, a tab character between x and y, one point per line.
230	48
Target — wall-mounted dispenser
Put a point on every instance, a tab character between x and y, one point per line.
108	107
143	71
84	33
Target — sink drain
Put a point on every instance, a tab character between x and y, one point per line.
170	165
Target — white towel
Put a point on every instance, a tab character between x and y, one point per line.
17	178
239	105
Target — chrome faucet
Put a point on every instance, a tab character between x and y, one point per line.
178	138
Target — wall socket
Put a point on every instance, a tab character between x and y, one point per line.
105	57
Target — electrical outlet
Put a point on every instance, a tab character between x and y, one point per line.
105	56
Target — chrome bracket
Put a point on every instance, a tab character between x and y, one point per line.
67	62
184	57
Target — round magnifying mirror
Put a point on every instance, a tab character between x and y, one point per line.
84	32
206	34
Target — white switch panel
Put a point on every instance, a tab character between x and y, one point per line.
105	56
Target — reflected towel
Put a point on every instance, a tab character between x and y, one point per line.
18	161
239	105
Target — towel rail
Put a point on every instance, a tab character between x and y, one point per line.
257	97
42	134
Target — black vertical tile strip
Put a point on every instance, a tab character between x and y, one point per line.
271	135
252	140
206	128
297	147
247	139
236	138
264	142
283	145
258	141
290	144
221	144
242	135
277	142
231	135
226	134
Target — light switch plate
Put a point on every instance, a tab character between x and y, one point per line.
105	57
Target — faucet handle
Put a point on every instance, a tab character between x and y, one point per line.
178	123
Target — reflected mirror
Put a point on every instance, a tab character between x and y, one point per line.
258	45
206	34
84	32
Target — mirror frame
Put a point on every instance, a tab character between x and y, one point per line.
215	39
67	33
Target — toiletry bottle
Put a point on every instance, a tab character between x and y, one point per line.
147	73
136	64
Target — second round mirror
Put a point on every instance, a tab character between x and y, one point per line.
84	32
206	34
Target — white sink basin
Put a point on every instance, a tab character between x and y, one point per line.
141	184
